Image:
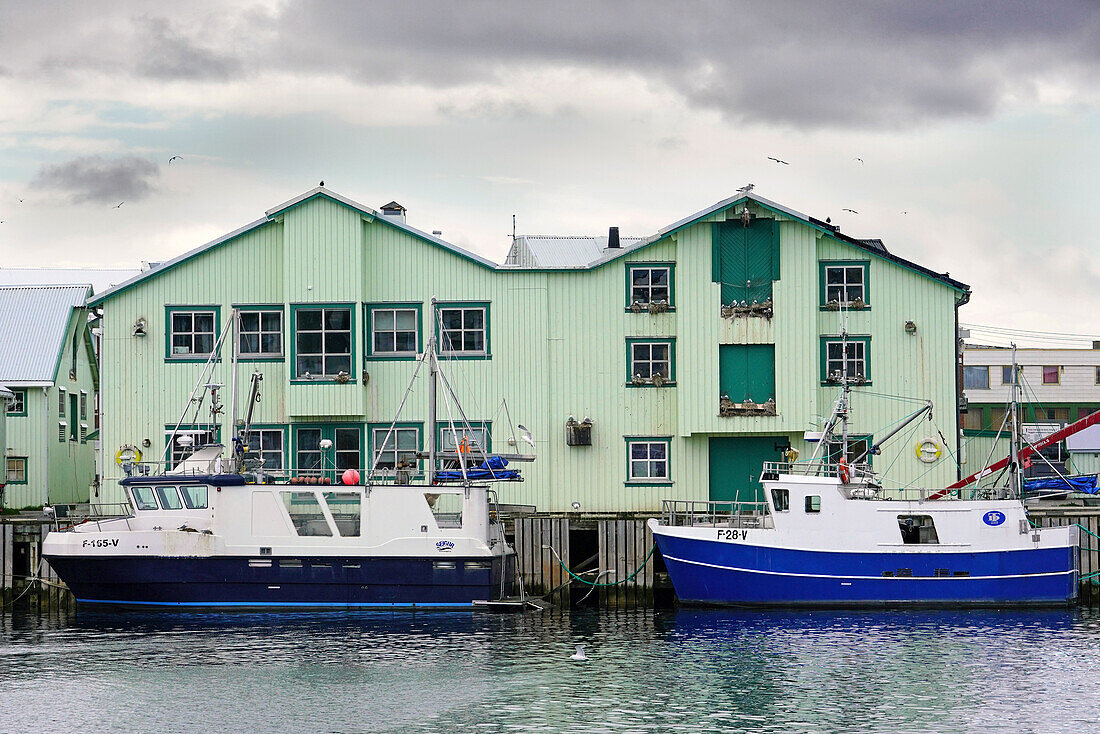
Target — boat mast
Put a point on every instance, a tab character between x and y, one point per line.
1015	443
236	451
433	370
846	390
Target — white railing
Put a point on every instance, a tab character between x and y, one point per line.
716	514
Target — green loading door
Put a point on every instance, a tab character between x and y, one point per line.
746	259
735	465
747	371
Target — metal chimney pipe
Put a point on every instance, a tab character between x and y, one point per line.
613	238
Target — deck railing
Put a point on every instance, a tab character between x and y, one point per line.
716	514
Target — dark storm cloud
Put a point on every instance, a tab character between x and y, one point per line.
99	180
169	54
847	64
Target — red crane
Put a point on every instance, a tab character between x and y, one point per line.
1025	452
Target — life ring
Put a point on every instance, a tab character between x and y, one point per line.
928	450
842	470
128	454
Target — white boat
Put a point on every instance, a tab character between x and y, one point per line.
827	534
200	536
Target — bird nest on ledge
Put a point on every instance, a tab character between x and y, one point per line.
759	309
727	408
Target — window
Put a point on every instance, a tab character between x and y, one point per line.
394	330
649	283
844	283
976	378
143	498
260	333
917	530
266	444
191	333
1052	374
15	471
343	451
194	496
347	510
1007	378
473	438
464	329
305	512
813	503
169	498
397	449
18	406
61	403
835	359
650	362
323	342
186	442
858	449
781	500
83	405
1098	375
648	461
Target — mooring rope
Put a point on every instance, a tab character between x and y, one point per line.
593	583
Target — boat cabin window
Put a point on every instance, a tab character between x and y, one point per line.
781	500
347	510
917	530
194	496
169	498
305	513
813	503
144	499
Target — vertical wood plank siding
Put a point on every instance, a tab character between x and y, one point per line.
557	342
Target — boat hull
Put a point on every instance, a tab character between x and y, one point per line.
248	581
708	572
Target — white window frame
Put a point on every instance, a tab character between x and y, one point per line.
446	335
8	469
650	361
648	287
259	333
192	334
648	462
382	448
260	452
374	331
324	331
18	403
835	364
176	452
974	368
845	287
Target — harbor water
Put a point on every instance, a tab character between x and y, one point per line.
676	671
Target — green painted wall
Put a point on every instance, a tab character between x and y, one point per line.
557	348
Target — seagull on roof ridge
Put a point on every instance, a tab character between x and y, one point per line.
746	188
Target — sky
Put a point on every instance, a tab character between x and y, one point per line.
966	135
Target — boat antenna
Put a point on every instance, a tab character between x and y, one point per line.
433	373
237	449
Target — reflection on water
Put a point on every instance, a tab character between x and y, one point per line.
686	671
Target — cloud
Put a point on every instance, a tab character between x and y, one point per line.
96	179
168	54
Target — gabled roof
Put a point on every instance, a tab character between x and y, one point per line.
271	215
556	251
34	321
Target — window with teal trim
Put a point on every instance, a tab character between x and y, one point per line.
851	360
322	341
331	449
18	405
265	446
844	283
648	461
191	333
394	331
463	330
650	362
260	333
472	438
185	441
395	448
649	287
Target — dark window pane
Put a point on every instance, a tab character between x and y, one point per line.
834	276
250	343
333	365
309	319
337	343
472	342
181	322
659	277
272	343
309	343
272	321
311	365
309	439
250	321
204	343
657	469
383	342
406	341
660	293
452	318
347	438
204	322
339	318
640	276
474	319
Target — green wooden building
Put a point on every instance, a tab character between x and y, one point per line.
647	368
48	364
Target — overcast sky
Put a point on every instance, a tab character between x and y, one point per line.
966	135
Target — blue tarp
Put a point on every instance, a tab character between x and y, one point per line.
492	468
1070	484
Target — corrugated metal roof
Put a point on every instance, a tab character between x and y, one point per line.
100	278
33	322
558	251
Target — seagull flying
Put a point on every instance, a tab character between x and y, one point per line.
175	158
119	205
853	211
860	161
526	435
770	158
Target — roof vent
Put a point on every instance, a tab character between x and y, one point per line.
394	210
613	238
